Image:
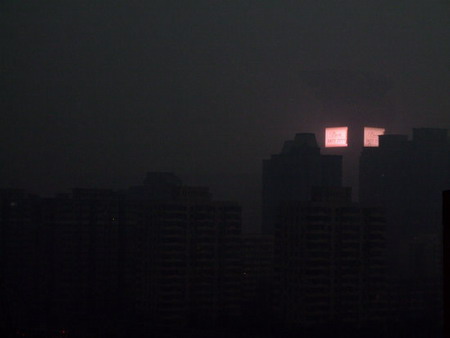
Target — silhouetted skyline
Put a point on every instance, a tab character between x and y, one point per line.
96	93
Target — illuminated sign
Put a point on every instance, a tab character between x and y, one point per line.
336	137
371	136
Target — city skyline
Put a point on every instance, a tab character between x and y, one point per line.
247	188
199	168
165	254
112	91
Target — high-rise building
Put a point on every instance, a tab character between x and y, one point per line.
257	276
291	174
330	261
406	177
20	282
446	258
190	271
83	253
94	259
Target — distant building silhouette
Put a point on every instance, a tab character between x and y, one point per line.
330	263
20	284
446	259
191	268
160	254
84	257
406	177
291	174
257	277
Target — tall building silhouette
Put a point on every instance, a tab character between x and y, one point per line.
257	281
161	253
406	177
190	270
418	169
21	290
84	257
446	258
291	174
330	261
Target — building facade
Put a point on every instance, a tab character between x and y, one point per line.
291	174
257	277
160	254
330	261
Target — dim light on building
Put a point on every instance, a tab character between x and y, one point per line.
336	137
371	136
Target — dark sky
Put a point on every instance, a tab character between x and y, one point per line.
96	93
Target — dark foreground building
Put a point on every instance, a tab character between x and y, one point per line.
330	262
99	261
21	289
446	259
406	177
257	279
190	270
